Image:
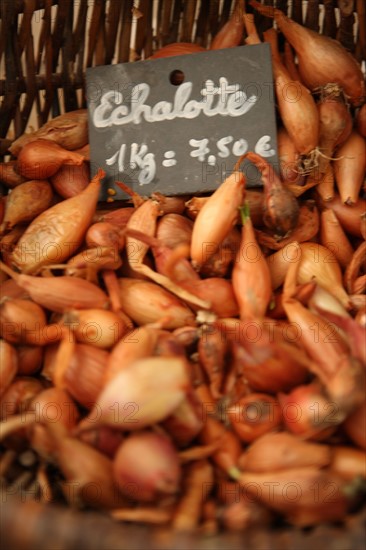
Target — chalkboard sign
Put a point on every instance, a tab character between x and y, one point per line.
177	125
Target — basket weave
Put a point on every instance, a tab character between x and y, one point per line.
43	77
45	45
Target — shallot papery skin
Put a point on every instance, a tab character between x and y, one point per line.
321	59
145	392
60	228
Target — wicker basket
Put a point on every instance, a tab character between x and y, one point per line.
45	46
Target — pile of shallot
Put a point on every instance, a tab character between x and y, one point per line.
196	362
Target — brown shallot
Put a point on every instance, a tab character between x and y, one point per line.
281	209
118	217
270	367
146	302
306	229
216	218
216	292
316	263
30	358
231	34
333	237
21	321
289	62
335	127
138	343
69	130
292	492
308	413
83	377
41	159
321	59
27	201
145	392
70	179
96	327
350	167
255	199
104	234
174	230
349	215
250	276
254	415
60	293
296	105
55	234
281	451
143	219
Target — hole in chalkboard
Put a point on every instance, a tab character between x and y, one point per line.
176	77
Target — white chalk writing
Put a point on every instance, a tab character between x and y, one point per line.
224	100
